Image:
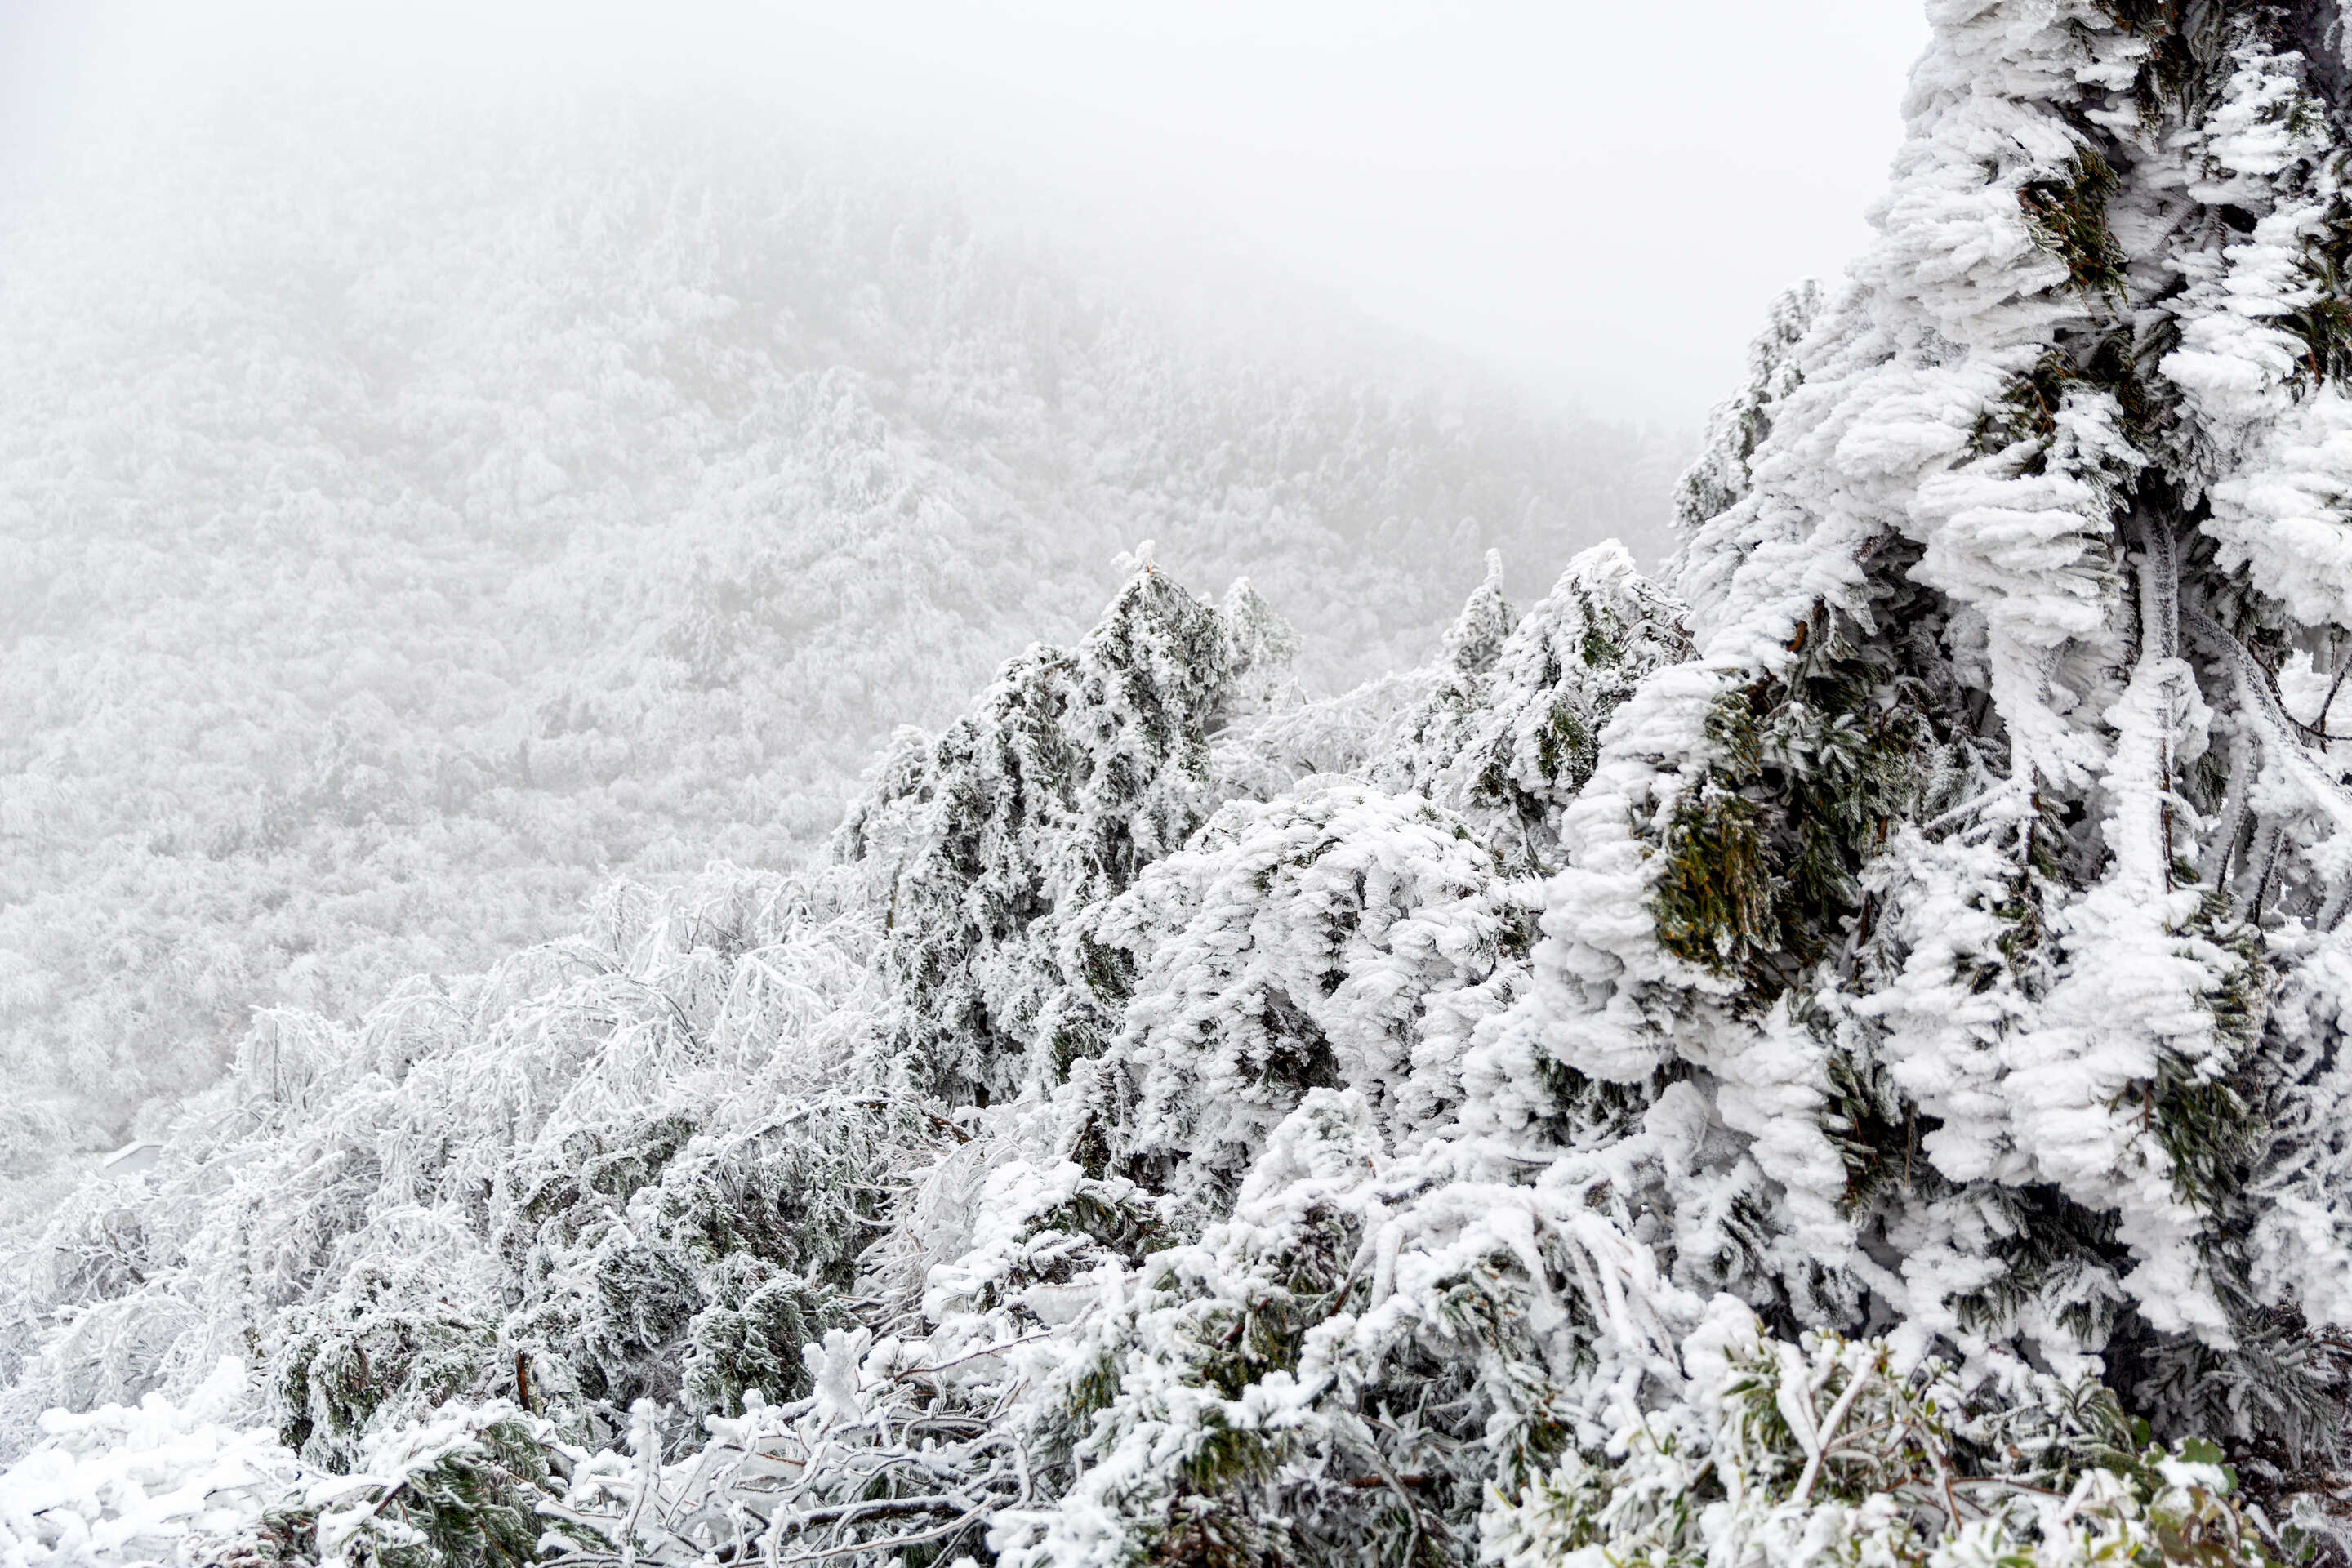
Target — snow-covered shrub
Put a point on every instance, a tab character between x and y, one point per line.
748	1341
531	1186
386	1348
1828	1450
151	1480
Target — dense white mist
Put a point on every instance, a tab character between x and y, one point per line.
1529	182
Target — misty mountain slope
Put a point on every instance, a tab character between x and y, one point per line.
762	1046
399	531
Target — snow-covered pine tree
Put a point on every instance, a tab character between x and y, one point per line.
1983	876
1533	735
1259	648
1503	725
1438	726
1708	498
1078	768
1718	481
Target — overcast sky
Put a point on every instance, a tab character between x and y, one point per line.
1598	195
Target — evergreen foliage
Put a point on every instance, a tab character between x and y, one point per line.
1844	1064
1076	769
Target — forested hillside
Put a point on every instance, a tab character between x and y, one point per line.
409	520
1832	1054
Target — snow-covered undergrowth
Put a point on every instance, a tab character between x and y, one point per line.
412	517
1833	1058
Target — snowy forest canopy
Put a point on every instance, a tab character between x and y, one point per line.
1830	1053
